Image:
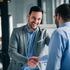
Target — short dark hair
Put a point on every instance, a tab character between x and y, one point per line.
64	11
35	9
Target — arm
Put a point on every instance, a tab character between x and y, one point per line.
13	49
42	59
55	52
47	39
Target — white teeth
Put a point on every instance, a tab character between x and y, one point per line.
34	23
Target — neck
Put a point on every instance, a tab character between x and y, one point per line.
61	22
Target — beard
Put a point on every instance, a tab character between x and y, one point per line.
30	24
57	23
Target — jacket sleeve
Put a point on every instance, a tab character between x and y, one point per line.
47	39
13	49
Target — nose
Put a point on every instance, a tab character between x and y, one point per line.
36	20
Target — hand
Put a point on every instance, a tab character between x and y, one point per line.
35	58
32	62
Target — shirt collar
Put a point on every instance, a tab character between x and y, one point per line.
65	24
30	31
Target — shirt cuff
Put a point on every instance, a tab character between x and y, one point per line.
43	59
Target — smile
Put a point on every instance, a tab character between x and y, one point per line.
34	24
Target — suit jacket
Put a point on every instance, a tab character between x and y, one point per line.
18	47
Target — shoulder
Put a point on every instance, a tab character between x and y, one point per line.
18	29
60	32
43	30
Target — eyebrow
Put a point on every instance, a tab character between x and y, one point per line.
35	17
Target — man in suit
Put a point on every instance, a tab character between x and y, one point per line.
28	41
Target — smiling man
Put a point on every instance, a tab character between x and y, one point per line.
28	41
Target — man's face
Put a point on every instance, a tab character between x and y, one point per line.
34	20
56	21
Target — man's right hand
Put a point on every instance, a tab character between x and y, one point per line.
32	63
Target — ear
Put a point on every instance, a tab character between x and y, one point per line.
28	16
58	16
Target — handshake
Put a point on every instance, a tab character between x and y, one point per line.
33	62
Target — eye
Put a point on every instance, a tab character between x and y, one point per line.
34	18
39	18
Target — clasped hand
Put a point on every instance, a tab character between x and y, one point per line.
33	62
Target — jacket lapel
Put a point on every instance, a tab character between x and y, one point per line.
36	40
25	39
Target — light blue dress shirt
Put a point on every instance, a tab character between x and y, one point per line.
59	49
43	59
30	48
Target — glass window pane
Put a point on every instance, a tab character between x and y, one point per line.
44	6
67	1
62	1
44	12
10	24
44	18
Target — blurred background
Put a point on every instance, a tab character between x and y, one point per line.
13	13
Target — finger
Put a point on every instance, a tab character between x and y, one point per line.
31	58
32	66
34	58
34	62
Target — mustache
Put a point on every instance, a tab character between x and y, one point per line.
33	22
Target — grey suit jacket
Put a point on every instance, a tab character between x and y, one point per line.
18	47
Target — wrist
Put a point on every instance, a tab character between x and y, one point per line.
26	62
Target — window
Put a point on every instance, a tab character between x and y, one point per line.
48	7
44	13
10	24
